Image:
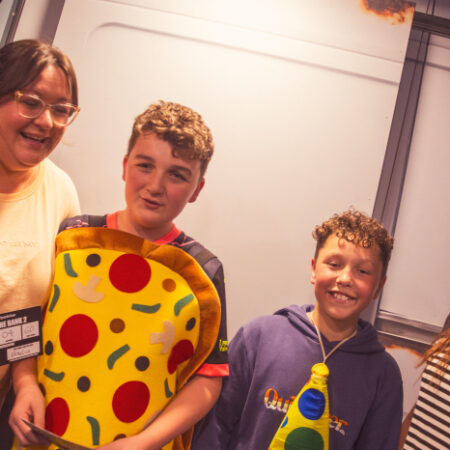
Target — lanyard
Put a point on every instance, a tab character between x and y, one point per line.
325	356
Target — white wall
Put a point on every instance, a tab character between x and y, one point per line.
299	97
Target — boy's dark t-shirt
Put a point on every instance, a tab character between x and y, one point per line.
217	362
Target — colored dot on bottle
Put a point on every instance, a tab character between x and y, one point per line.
303	437
312	404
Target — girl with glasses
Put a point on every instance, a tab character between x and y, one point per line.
38	99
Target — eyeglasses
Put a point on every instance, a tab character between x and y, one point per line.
31	106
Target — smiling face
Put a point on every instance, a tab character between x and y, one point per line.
24	143
157	187
346	278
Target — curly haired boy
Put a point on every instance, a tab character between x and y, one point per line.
272	356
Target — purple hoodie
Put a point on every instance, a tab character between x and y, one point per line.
270	361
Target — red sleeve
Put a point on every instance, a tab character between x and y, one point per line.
214	370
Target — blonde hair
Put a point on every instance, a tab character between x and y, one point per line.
178	125
357	228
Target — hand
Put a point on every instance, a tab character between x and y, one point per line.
29	405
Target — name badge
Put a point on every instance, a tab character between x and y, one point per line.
20	334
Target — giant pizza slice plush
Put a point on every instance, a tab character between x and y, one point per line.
127	323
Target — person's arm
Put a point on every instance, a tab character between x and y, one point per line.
217	430
405	427
29	403
189	405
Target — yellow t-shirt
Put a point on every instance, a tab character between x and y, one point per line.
29	222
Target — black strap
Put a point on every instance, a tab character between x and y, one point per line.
203	256
96	221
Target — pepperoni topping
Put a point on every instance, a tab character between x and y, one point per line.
78	335
130	401
57	416
181	351
129	273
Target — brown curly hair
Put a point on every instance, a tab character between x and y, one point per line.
178	125
357	228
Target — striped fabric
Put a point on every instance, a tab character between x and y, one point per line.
430	424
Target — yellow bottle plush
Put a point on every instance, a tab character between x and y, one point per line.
306	424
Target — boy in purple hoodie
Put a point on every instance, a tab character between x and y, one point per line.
271	357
